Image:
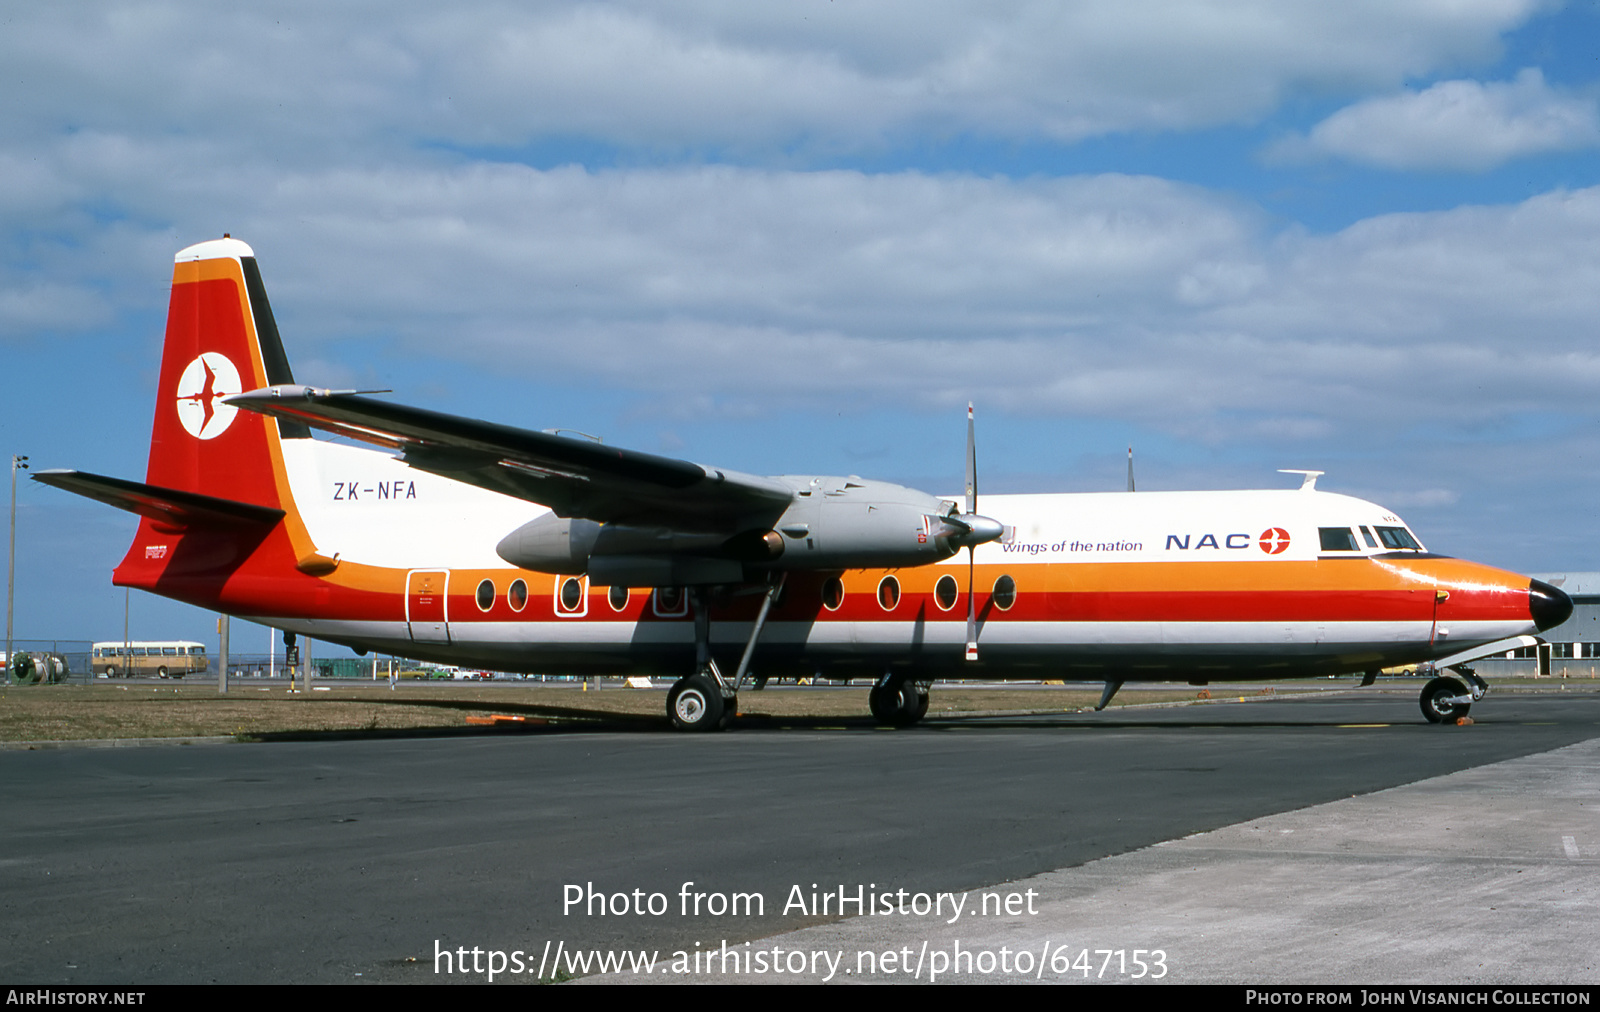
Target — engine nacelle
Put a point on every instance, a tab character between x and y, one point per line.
853	523
551	544
831	524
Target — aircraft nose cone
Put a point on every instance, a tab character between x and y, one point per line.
1549	606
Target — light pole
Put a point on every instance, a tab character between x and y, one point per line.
17	463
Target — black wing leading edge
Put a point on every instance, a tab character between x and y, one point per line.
573	477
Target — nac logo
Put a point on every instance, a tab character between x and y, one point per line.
201	388
1274	540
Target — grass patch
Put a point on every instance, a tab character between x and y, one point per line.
253	711
250	712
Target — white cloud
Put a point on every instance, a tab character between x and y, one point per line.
293	82
1106	296
137	130
1099	296
1456	126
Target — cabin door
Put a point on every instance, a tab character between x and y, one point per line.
428	605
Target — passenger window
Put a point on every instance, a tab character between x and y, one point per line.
888	593
671	602
1005	593
1337	539
833	593
570	600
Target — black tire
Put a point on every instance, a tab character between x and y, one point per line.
695	704
1434	701
22	669
884	702
897	704
111	671
162	671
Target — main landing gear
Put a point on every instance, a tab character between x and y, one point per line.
708	700
697	703
1447	698
898	701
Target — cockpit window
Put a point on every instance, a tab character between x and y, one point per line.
1366	534
1337	539
1398	537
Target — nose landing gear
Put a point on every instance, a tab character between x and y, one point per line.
1447	698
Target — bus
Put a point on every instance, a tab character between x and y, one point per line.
166	658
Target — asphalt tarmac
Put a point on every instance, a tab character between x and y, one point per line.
349	861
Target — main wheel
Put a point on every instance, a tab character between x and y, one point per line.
695	704
897	704
884	702
1439	701
922	706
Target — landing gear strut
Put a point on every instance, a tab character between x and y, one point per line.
707	700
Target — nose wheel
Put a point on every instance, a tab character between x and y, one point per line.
1445	700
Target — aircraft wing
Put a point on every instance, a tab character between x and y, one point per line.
574	477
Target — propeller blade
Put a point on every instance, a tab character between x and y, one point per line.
972	613
972	509
972	464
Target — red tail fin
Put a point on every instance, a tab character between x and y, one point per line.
221	340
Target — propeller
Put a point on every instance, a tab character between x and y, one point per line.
978	530
972	510
969	530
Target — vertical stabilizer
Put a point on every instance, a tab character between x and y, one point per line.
221	339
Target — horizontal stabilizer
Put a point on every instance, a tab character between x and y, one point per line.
164	505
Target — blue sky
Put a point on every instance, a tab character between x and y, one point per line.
1363	238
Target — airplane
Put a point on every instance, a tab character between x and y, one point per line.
484	545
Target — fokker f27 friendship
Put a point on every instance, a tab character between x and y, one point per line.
476	543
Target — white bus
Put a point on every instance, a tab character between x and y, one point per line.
167	658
